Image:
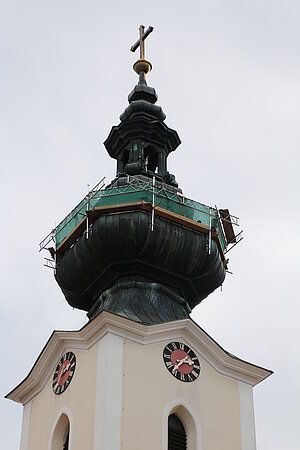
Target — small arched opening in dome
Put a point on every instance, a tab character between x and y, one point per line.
150	158
125	157
121	162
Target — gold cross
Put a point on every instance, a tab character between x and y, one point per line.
140	42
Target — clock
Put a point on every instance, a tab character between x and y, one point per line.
63	373
181	361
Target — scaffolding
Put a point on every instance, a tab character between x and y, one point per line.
79	210
151	192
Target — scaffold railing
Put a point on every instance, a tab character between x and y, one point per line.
135	189
78	210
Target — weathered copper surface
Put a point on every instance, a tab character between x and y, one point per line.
123	248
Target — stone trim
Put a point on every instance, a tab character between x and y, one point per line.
194	336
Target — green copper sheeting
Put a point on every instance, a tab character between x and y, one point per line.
132	193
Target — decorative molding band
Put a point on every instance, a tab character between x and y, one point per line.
104	323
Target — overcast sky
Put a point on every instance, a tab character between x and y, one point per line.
227	76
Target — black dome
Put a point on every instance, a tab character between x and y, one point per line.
122	248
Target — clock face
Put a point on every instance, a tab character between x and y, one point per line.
181	361
63	373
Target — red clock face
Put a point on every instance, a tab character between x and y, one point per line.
63	373
181	361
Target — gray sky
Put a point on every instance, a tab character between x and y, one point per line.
227	76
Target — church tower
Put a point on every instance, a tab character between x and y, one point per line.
138	255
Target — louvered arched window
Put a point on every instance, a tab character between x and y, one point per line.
66	443
176	434
60	438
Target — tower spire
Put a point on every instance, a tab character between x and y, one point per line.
142	66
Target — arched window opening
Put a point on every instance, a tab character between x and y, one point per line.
61	435
66	444
176	434
150	158
125	157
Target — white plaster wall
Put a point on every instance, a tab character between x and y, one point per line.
25	426
108	412
247	417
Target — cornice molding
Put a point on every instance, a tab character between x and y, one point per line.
223	362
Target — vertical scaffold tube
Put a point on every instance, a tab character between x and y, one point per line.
153	203
209	233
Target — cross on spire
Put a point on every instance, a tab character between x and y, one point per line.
140	42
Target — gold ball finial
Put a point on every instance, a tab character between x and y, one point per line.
142	66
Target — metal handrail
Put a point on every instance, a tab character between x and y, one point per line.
134	185
72	214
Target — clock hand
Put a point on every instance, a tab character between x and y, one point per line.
190	362
59	377
185	360
180	362
64	370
